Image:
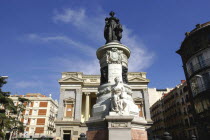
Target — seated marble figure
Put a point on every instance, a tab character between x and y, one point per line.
119	97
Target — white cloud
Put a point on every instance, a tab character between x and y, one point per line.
140	58
27	84
69	15
63	39
75	64
92	26
92	29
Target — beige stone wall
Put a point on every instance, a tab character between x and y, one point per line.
155	95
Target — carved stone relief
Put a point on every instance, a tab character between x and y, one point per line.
114	56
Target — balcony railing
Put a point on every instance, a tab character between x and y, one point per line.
201	88
198	66
40	124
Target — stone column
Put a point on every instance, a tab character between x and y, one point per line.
87	105
78	105
146	104
61	107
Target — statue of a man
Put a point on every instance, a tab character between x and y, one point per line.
119	96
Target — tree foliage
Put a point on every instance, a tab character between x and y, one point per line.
9	113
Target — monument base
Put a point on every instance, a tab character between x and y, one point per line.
117	127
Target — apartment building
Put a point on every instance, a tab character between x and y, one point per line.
195	54
39	115
173	113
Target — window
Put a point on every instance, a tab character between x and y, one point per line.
36	104
140	107
199	107
185	89
191	69
206	80
69	107
27	112
201	60
15	103
25	121
194	87
34	112
205	103
33	121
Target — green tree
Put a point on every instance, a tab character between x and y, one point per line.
9	113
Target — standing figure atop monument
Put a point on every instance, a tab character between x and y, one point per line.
113	29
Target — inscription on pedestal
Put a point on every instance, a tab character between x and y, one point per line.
118	124
114	70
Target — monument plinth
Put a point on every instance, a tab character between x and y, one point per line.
115	115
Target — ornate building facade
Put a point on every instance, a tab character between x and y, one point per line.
195	54
78	93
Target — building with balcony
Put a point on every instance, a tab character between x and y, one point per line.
39	115
78	93
195	54
173	113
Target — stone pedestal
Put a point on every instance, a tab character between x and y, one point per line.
115	127
97	129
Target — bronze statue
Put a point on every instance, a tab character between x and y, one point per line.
113	29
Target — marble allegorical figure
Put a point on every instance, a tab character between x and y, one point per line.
113	29
119	97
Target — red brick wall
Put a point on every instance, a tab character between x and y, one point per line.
40	121
97	135
69	110
39	130
141	110
42	112
32	104
30	112
43	104
29	120
138	134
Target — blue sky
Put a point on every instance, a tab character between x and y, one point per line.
39	39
